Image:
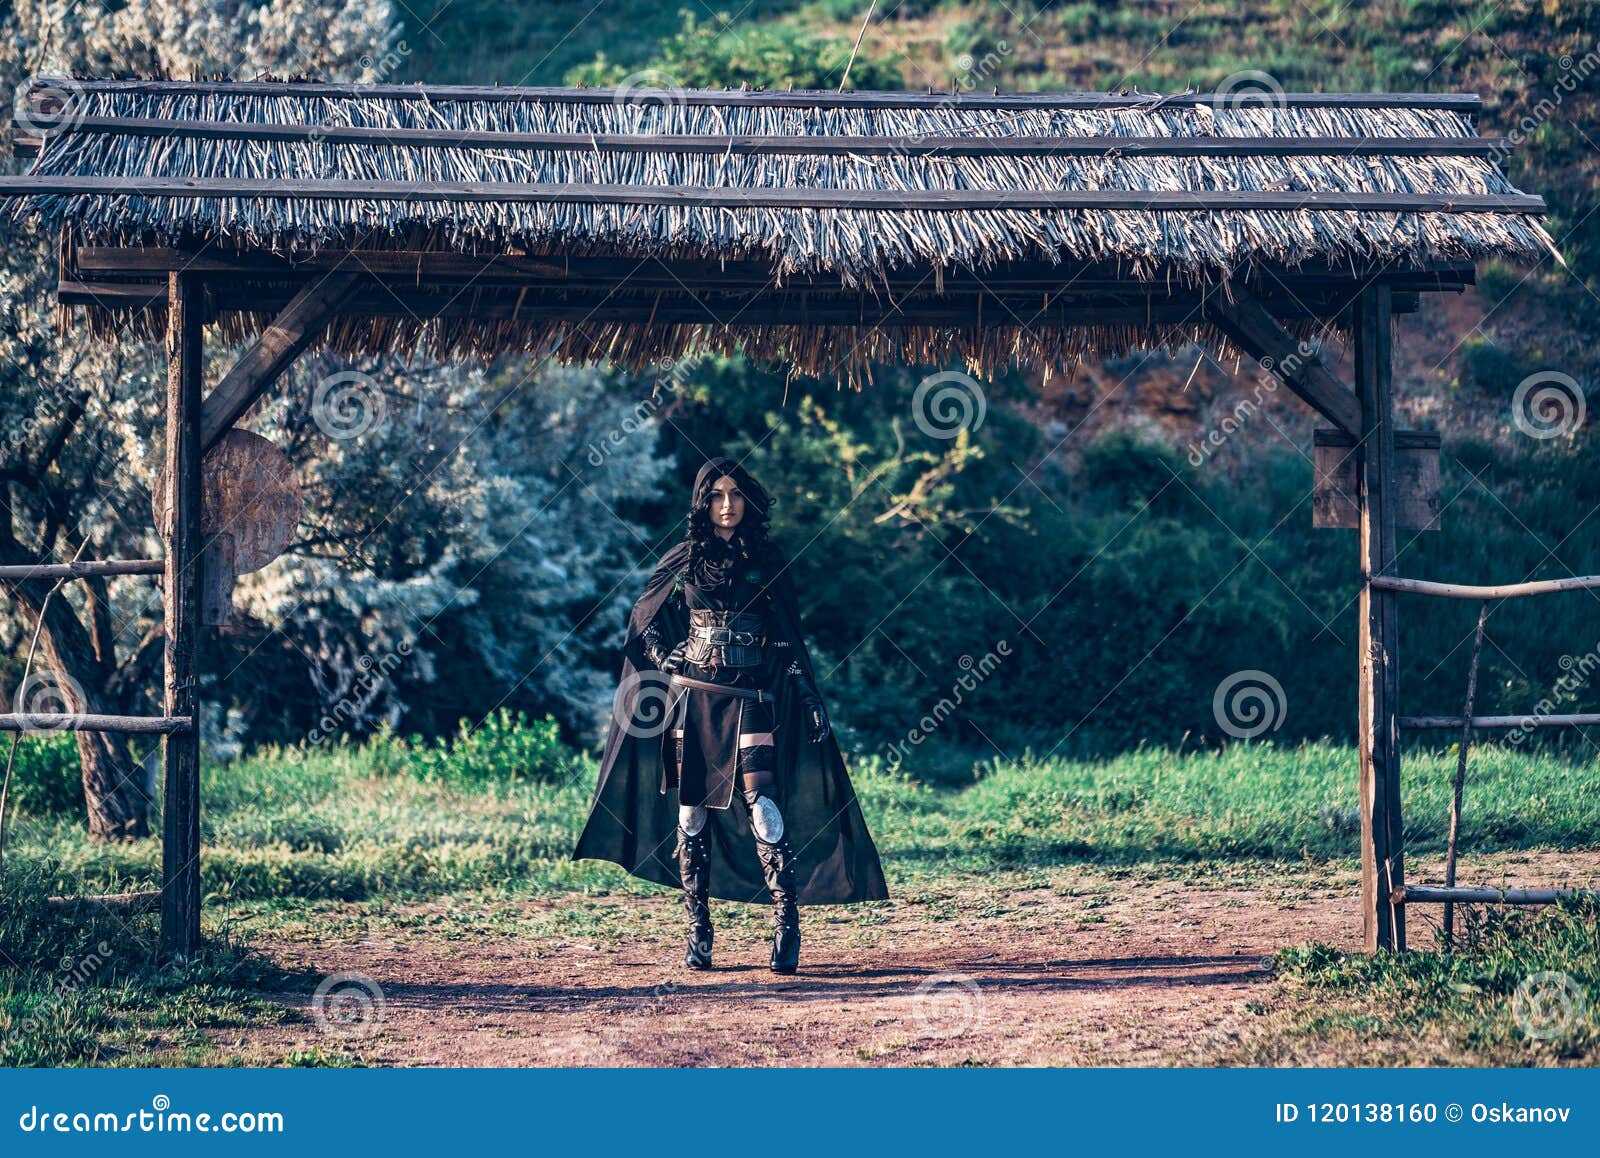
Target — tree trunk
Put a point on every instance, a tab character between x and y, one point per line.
114	788
68	676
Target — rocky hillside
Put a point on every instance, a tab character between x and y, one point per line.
1536	63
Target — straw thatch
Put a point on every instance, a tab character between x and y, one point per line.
624	198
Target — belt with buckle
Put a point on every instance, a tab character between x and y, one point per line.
725	635
760	695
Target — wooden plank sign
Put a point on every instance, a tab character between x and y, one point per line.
1416	463
250	504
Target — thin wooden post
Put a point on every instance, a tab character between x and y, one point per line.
1461	774
1382	837
180	751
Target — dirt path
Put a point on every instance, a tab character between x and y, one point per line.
1070	967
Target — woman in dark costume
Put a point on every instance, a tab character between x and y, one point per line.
718	703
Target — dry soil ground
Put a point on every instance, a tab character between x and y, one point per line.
1075	966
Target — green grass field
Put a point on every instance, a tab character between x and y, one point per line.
394	823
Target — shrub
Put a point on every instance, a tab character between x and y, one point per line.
45	780
504	748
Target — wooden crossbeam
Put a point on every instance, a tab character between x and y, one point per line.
701	196
1251	327
718	144
675	273
401	297
1426	723
301	321
591	302
145	902
1461	102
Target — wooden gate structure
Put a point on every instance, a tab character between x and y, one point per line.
827	232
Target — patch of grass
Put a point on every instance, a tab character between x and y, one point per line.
84	986
386	821
390	836
1522	989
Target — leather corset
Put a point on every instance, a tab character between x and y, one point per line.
724	638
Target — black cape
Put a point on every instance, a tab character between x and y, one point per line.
632	822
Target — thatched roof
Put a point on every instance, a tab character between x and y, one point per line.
825	229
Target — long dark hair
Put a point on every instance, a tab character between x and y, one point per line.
749	539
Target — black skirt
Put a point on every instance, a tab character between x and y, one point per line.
708	745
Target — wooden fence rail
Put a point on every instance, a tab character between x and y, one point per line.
76	722
1424	723
1411	894
1451	895
86	570
1466	591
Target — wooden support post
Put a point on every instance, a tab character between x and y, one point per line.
180	752
1382	838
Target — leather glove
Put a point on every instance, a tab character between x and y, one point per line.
664	660
811	703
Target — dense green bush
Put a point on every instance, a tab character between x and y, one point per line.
502	749
725	52
45	780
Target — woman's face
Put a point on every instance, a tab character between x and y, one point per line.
726	504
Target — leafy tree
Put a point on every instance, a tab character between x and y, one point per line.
462	535
79	419
723	53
